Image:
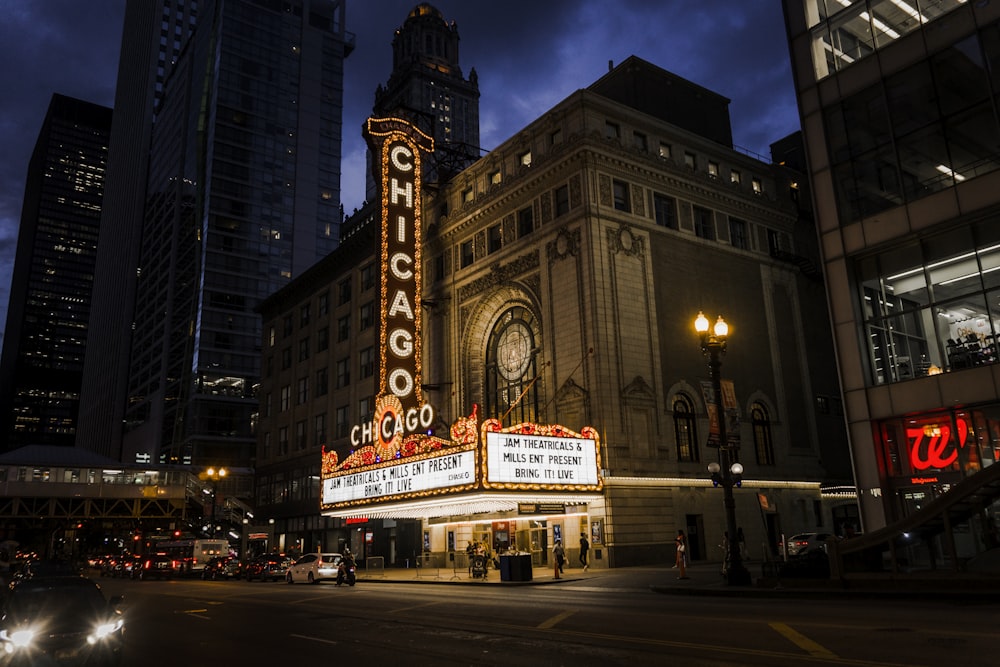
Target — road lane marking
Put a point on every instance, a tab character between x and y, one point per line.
803	642
545	625
416	606
315	639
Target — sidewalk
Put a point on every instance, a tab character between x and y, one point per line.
706	579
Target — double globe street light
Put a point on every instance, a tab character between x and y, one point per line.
216	475
726	473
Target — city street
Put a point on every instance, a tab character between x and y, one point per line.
608	618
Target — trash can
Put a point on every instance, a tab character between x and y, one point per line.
515	567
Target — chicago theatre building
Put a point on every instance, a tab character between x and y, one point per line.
509	356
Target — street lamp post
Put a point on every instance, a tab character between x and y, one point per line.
727	472
216	475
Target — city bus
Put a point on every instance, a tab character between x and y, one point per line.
191	555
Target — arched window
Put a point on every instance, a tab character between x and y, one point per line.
762	443
511	368
685	433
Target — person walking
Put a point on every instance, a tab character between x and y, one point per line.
680	560
558	555
584	548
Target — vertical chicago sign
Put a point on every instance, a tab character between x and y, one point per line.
399	406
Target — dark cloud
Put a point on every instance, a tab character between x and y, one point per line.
528	55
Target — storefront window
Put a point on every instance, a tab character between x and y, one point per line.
925	307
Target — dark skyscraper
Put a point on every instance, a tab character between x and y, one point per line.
146	57
46	331
243	192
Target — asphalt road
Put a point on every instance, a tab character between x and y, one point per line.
612	619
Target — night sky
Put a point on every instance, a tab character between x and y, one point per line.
528	55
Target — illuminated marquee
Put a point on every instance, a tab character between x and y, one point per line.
539	457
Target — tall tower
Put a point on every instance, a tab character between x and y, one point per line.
46	334
243	192
144	61
427	87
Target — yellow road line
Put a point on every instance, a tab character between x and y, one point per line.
803	642
545	625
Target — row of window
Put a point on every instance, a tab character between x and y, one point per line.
303	437
692	161
369	278
686	433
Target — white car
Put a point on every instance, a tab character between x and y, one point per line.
314	567
807	543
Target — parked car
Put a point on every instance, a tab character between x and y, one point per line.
312	568
222	567
268	567
807	543
155	566
81	626
126	566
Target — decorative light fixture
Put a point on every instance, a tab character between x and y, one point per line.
726	473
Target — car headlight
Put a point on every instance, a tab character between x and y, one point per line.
16	639
103	630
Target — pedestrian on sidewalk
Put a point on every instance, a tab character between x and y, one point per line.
680	559
558	556
584	548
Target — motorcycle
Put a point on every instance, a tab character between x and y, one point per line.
346	573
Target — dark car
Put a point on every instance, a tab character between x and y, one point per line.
222	567
126	566
154	566
269	567
60	620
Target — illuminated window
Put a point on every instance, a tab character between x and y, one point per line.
270	336
286	397
685	431
467	195
735	176
495	178
664	150
525	158
758	187
511	365
762	444
713	169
